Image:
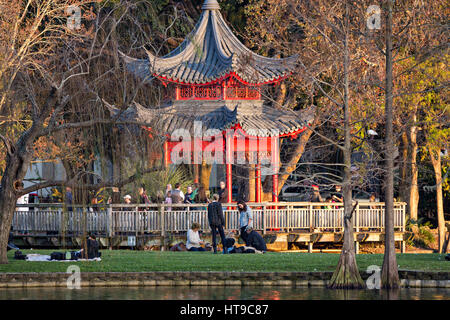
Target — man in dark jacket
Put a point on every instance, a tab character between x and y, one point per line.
255	240
91	249
216	221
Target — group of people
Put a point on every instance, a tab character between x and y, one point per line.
253	240
335	197
194	194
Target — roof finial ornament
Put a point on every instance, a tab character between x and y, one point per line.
211	5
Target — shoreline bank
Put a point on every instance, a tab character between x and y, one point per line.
409	279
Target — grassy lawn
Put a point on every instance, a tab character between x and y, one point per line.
135	261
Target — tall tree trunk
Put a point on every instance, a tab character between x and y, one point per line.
413	190
205	173
404	168
289	167
409	189
435	156
347	274
389	274
8	200
297	153
17	164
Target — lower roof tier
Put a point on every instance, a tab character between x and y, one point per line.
253	117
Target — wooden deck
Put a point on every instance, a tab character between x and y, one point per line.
280	223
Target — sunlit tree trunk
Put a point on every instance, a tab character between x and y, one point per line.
413	190
347	274
205	174
389	274
435	156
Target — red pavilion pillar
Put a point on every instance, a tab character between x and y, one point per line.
196	173
166	154
258	181
275	166
229	179
229	157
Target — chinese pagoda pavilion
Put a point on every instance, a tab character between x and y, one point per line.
217	83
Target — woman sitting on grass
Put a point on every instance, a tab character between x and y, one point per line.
193	239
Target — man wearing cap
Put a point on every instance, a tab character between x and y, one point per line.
127	200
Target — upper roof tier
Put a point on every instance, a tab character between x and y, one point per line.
210	52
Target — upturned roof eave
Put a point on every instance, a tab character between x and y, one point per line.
229	53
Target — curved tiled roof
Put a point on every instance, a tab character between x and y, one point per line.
254	117
210	52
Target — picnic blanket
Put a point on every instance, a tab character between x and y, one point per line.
43	257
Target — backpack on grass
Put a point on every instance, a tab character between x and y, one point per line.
19	256
57	256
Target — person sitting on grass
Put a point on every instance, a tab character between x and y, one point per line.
255	240
90	249
193	239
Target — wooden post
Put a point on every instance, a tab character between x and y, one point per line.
356	247
310	247
403	246
311	223
404	218
357	218
163	228
264	218
136	221
110	225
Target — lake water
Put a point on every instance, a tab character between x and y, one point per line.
220	293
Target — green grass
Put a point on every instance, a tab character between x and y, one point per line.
136	261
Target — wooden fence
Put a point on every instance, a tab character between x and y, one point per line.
112	220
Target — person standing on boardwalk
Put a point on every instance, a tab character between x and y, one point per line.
223	193
188	198
337	195
168	200
195	188
143	197
245	219
216	221
168	188
201	197
316	197
69	198
177	194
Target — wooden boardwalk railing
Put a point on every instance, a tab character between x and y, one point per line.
112	220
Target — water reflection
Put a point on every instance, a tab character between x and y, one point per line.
221	293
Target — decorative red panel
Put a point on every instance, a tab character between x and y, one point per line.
237	92
213	92
232	87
